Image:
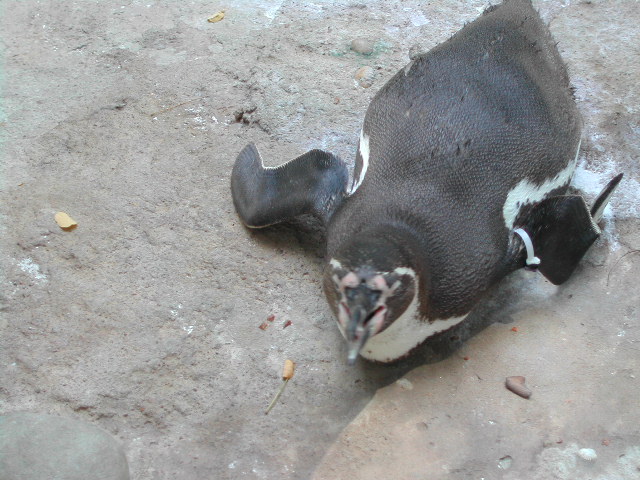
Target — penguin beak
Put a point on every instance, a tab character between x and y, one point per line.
361	309
354	349
361	326
357	334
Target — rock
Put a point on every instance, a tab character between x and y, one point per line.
405	384
362	46
505	462
588	454
42	447
364	77
246	114
516	385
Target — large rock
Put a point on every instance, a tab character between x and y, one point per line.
42	447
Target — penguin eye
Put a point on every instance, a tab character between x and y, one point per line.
375	294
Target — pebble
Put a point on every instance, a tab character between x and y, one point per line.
42	447
405	384
246	114
362	46
588	454
364	77
516	385
505	462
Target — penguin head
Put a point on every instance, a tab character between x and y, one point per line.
367	293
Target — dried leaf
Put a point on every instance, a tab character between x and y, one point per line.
64	221
289	368
217	17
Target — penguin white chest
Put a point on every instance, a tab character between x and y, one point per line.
405	333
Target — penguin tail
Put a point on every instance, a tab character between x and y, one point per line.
559	231
313	183
603	199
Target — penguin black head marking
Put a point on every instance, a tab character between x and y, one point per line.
462	166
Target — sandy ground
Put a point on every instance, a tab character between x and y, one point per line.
144	319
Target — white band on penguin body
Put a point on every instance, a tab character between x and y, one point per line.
532	260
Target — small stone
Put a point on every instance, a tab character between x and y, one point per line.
405	384
505	462
362	46
42	447
588	454
516	385
246	114
364	77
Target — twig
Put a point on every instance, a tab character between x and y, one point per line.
618	261
287	374
171	108
275	399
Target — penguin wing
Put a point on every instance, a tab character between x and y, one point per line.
561	230
313	183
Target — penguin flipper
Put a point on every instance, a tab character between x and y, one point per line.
562	229
313	183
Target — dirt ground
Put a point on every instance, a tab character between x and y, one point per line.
144	320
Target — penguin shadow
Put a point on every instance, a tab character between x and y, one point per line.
305	233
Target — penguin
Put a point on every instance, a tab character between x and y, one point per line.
461	176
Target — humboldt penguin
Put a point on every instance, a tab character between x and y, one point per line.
461	173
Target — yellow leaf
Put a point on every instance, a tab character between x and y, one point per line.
64	221
217	17
289	367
